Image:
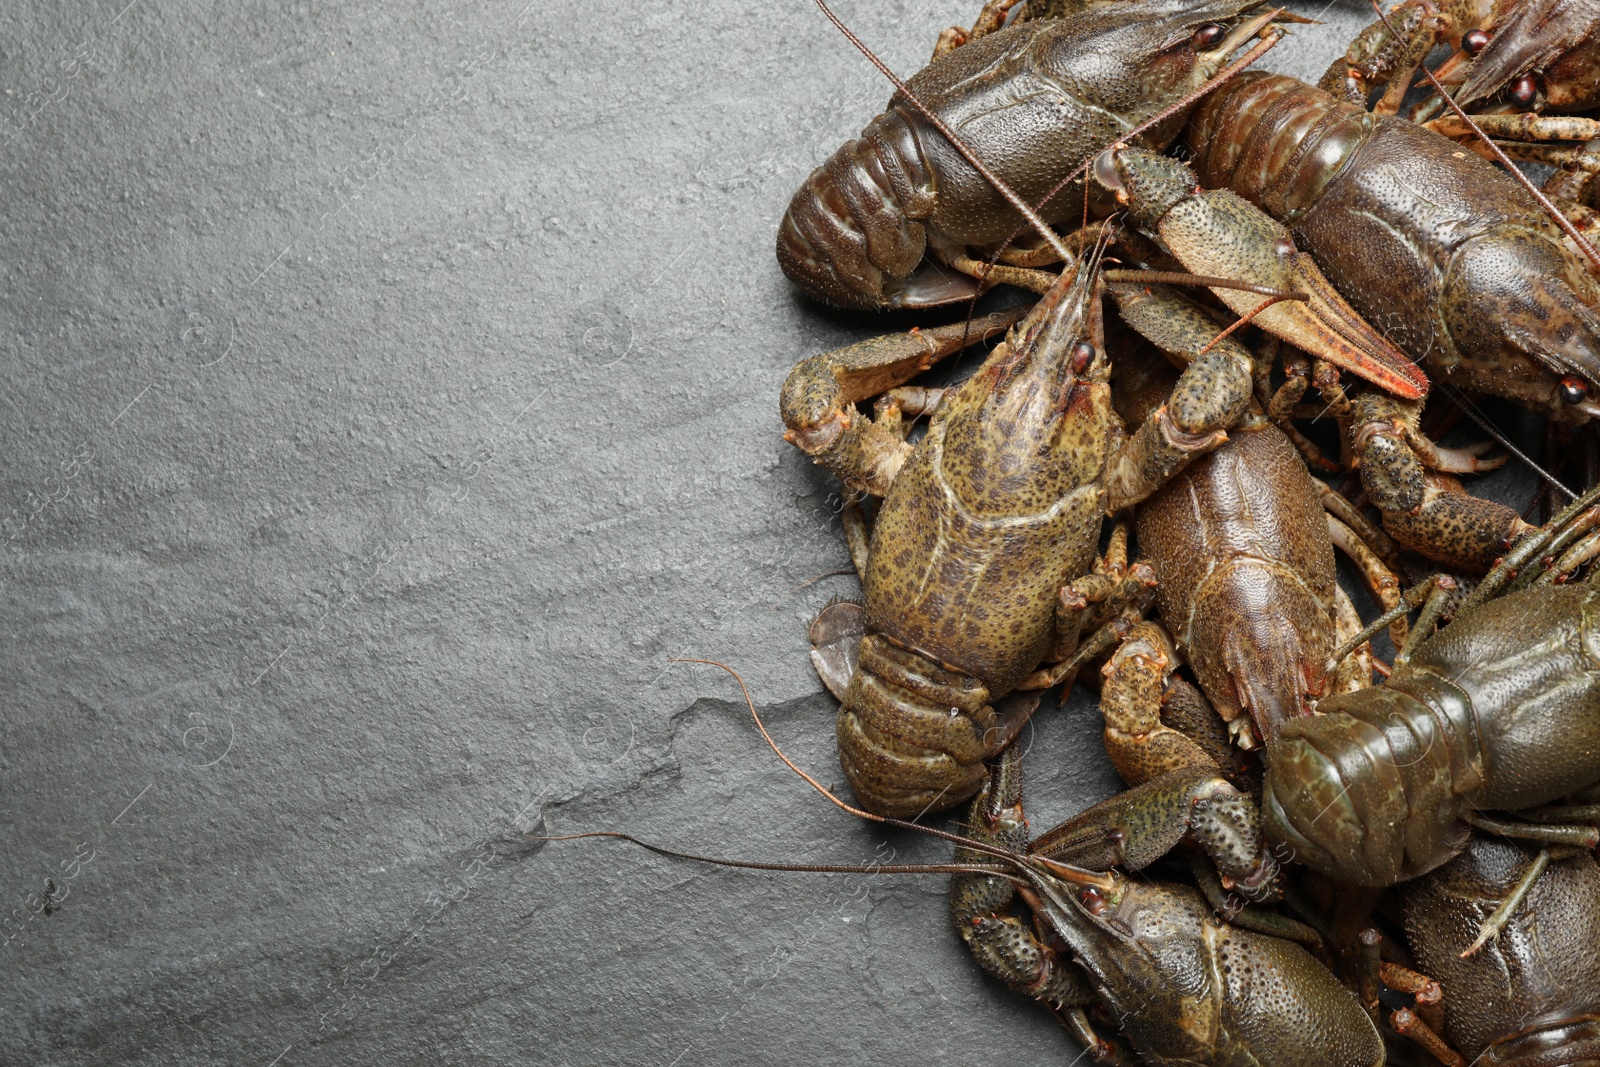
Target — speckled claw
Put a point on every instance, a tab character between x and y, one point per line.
1221	234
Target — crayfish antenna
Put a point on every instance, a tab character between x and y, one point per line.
1011	859
1470	410
825	791
787	762
1067	872
805	868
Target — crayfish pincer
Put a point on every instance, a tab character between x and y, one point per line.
1035	100
1218	233
1498	711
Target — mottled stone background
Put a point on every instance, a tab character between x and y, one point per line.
388	395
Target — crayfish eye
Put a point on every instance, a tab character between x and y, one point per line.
1524	90
1209	35
1092	899
1082	356
1474	42
1574	390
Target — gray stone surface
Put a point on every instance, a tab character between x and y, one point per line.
388	397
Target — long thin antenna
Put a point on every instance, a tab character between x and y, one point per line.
1470	410
807	868
1074	874
1561	220
1178	277
818	786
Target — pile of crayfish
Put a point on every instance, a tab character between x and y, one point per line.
1322	857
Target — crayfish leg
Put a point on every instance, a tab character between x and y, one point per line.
1003	945
991	18
1136	828
1409	479
1141	746
1379	57
819	397
1211	396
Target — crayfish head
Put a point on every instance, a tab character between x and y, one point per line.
1059	342
1136	60
1541	54
1539	342
1035	422
1258	647
1213	49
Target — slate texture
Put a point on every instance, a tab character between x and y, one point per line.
389	394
